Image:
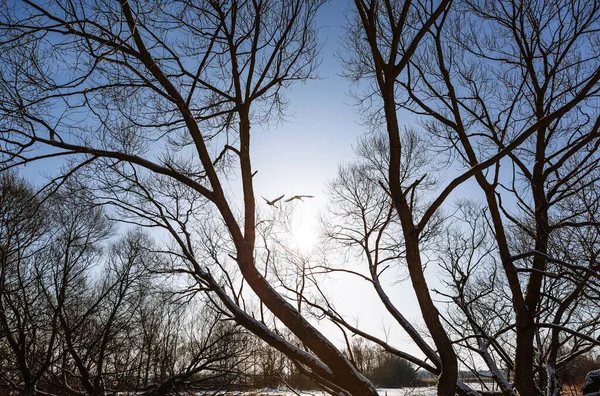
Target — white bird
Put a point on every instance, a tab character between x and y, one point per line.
300	197
273	202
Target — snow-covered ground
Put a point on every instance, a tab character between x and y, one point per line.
423	391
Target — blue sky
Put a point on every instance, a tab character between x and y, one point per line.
301	154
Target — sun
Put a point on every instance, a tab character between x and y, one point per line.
304	233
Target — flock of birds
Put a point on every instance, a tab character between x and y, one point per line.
274	201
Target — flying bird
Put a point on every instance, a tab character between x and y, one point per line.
273	202
300	197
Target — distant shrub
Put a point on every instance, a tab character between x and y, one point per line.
392	372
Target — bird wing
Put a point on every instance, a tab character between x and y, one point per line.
273	201
299	197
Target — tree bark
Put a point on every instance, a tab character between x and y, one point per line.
29	388
449	365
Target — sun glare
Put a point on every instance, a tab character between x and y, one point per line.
305	229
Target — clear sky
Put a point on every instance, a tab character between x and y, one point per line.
321	126
300	155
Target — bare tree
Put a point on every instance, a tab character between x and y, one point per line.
28	326
494	83
168	92
98	318
183	348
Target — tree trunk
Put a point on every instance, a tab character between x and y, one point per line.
524	359
29	389
526	328
343	374
449	365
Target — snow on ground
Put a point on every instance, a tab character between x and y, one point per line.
422	391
